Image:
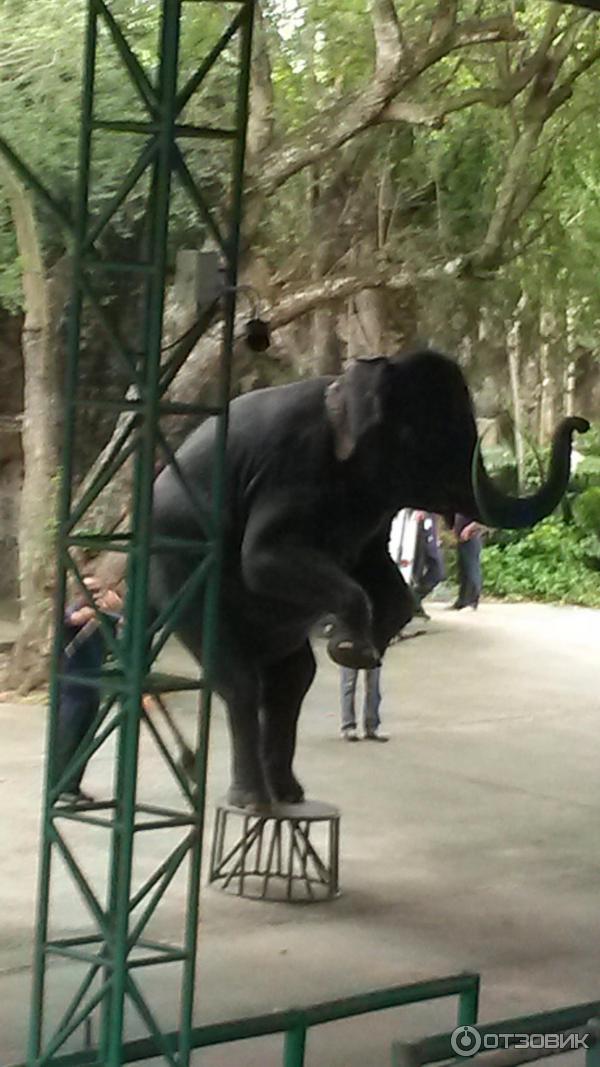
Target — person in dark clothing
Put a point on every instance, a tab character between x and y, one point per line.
428	568
468	543
84	652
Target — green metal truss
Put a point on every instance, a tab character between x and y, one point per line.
115	948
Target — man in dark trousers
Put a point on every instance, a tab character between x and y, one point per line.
84	653
428	568
468	544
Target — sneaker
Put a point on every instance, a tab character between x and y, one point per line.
374	735
350	734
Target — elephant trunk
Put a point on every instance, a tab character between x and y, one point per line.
497	509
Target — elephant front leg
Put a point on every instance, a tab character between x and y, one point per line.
276	566
285	685
392	601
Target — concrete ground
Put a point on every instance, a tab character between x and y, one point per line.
470	841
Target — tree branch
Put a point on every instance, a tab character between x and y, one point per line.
260	118
306	298
528	194
515	191
495	96
414	113
388	41
444	21
335	126
565	90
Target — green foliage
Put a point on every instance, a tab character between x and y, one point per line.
558	560
589	444
10	268
548	563
319	50
589	468
41	57
587	511
587	473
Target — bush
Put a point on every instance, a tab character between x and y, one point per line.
587	511
548	563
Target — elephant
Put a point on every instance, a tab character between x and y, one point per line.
316	471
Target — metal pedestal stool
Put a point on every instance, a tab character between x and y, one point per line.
290	852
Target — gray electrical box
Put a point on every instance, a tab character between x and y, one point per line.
200	279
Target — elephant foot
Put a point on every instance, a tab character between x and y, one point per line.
347	652
253	800
288	792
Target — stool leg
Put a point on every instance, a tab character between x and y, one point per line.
252	832
279	850
241	847
321	869
270	854
290	873
244	852
222	836
214	853
259	845
334	857
303	833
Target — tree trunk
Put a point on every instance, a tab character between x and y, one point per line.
545	416
41	418
370	311
326	342
326	346
546	411
513	348
569	388
569	405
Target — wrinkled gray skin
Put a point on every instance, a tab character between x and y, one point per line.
316	472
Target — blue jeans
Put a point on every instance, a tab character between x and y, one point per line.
371	700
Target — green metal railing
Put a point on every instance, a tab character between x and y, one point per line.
438	1047
119	913
295	1023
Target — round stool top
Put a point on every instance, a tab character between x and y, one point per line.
309	810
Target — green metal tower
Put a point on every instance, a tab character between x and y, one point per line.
115	951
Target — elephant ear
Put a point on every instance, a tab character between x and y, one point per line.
353	403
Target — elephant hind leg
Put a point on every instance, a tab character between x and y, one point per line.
285	684
241	693
237	681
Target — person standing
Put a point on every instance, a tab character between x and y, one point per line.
403	541
428	570
468	543
371	704
84	652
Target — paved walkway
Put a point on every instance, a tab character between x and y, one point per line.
469	841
